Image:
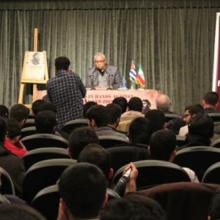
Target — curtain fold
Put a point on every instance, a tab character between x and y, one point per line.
174	45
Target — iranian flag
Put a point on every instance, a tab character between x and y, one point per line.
140	77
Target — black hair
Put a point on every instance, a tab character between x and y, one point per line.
211	98
3	130
13	128
4	111
19	112
82	187
47	106
135	104
36	105
87	106
62	63
79	138
122	102
114	113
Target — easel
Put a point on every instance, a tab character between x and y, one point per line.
34	82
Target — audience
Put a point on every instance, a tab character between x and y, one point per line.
79	138
122	102
45	122
82	189
87	106
20	113
36	106
4	112
163	103
18	212
210	101
12	139
163	147
99	120
135	107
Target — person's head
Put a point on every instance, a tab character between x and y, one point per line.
99	156
19	211
114	113
36	106
157	119
79	138
45	122
20	113
210	99
87	106
135	104
133	207
191	111
122	102
139	131
98	116
46	106
162	145
82	189
62	63
100	61
13	130
214	210
3	130
4	111
163	103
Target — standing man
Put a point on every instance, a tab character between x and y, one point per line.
103	75
66	91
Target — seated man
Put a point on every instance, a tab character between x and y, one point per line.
79	138
82	189
163	147
103	75
36	106
122	102
135	107
210	101
163	103
99	120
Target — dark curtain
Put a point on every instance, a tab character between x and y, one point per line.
172	40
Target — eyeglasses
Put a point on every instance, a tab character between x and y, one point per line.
99	61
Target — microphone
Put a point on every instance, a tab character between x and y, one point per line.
110	76
92	82
121	184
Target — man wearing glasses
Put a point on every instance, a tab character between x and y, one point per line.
102	75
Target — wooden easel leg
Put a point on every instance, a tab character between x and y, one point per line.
34	92
21	94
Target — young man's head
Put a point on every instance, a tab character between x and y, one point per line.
36	106
210	100
135	104
191	112
45	122
139	131
98	116
157	120
99	156
82	189
163	145
87	106
79	138
114	114
122	102
15	211
47	106
163	103
20	113
62	63
3	130
4	111
13	130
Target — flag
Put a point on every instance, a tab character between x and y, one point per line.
140	77
133	73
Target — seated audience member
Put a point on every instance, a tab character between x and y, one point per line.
20	113
82	189
122	102
201	130
45	122
97	155
18	212
114	114
210	101
4	112
47	106
175	125
12	140
135	107
36	106
99	120
156	119
190	113
139	131
133	207
163	147
10	162
163	103
79	138
87	106
214	210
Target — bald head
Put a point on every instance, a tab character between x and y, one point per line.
163	103
100	61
